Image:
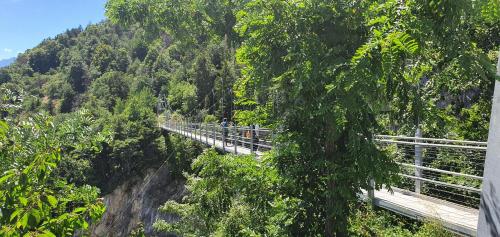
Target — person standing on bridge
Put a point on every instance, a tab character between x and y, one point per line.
255	137
225	129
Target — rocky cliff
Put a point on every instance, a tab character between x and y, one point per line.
135	203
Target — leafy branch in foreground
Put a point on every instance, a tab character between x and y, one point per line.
34	201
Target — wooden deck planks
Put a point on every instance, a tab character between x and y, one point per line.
457	218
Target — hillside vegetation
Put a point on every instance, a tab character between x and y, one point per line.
78	112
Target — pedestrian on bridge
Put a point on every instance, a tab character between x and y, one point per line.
255	137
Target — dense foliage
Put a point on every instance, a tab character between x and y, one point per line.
80	108
327	75
231	196
34	201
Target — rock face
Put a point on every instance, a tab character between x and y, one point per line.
136	202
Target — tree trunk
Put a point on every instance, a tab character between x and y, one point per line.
330	202
336	220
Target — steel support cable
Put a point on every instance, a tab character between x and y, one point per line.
429	144
441	171
432	139
477	190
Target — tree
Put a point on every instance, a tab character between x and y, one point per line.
77	75
110	88
103	57
325	114
33	201
230	196
44	58
182	96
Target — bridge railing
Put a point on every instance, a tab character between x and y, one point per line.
446	169
254	139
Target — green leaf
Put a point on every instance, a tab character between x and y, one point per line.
52	200
23	222
14	214
47	233
80	210
6	176
23	201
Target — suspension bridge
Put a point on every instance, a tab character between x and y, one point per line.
440	178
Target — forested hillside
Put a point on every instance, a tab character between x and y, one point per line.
79	111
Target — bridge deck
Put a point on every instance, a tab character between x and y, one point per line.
459	219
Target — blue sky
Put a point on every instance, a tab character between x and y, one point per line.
25	23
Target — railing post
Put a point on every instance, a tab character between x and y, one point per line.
213	132
371	191
418	161
235	140
224	138
251	139
489	213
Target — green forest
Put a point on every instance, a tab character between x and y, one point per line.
78	112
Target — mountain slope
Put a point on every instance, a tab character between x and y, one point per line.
7	62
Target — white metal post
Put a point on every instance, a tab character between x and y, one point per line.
251	139
224	138
235	141
489	211
371	191
213	131
418	161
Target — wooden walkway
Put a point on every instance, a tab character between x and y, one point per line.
459	219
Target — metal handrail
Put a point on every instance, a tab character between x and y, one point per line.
432	139
210	132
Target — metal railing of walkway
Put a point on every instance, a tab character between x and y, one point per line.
440	178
